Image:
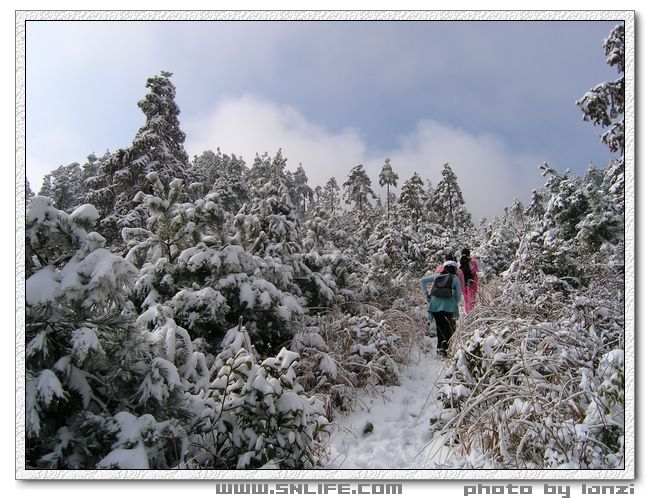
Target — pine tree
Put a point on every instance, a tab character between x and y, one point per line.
226	175
386	263
268	224
605	103
388	178
318	192
535	209
28	190
502	237
411	200
205	169
260	171
64	186
516	215
358	190
448	204
300	191
331	200
92	372
157	147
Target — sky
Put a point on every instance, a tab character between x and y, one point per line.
494	99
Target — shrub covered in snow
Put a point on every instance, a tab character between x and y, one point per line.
257	414
342	355
87	359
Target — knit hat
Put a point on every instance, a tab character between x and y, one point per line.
450	263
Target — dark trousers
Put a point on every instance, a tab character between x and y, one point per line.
445	328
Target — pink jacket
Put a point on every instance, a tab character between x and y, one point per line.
473	266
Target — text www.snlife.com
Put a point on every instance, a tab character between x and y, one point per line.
254	488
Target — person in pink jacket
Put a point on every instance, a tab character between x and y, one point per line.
469	268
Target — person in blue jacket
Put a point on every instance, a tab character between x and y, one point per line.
443	310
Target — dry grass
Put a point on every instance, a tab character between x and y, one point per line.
516	389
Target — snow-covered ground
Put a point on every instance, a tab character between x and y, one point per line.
401	436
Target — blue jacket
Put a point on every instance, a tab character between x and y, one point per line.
438	303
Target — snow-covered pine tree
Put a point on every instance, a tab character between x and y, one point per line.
260	416
357	224
358	191
499	247
28	190
331	199
264	167
300	192
448	204
535	210
605	103
64	185
318	192
268	224
386	263
223	174
157	148
205	169
172	228
411	200
100	391
388	178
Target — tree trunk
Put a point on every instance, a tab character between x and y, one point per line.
388	201
451	211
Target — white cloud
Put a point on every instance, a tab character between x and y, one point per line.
490	174
249	125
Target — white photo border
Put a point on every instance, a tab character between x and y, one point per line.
628	17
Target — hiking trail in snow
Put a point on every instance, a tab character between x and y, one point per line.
401	436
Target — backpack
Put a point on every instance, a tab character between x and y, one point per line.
442	286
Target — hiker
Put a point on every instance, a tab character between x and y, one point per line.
443	302
469	270
459	275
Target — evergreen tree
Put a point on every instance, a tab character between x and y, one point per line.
535	209
91	169
502	237
318	192
64	186
605	103
331	200
92	372
28	190
386	263
260	171
300	191
205	169
226	175
388	178
448	204
268	224
411	200
157	147
358	190
515	215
